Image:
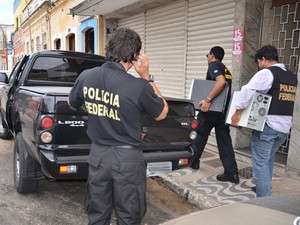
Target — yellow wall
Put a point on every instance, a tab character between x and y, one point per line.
18	14
55	20
35	27
62	24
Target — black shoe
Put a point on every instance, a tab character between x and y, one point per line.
195	166
253	189
232	178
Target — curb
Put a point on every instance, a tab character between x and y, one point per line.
197	198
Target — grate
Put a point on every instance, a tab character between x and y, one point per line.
214	163
206	154
246	172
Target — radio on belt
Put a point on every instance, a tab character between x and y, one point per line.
254	116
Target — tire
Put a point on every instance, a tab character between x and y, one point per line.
24	168
175	164
4	131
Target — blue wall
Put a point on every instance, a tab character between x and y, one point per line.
88	23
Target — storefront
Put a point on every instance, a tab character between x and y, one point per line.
177	35
176	38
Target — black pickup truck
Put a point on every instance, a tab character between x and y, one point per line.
50	137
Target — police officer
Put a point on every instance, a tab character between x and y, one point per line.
208	120
274	79
115	102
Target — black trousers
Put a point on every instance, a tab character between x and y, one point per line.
207	121
117	179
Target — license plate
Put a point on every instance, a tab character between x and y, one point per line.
158	168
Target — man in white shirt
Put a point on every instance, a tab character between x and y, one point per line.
281	84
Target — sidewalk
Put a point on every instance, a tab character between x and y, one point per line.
202	189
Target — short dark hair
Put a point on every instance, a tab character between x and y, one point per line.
268	52
123	45
218	52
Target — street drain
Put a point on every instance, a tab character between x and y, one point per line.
206	154
246	173
214	163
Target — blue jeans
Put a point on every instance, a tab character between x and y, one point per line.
264	145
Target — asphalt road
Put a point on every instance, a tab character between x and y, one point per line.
62	202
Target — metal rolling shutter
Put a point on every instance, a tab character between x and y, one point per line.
210	23
136	23
176	38
165	47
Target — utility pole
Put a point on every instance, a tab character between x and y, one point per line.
29	28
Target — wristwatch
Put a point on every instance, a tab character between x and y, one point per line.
150	78
208	99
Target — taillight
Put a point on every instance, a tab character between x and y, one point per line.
47	122
194	124
193	135
183	162
46	137
68	169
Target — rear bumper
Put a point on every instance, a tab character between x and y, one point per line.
51	162
169	155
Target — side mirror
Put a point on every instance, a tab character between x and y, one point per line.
3	78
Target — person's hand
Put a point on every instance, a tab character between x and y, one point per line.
142	68
204	105
235	119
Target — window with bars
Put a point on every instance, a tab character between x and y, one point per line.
32	45
281	28
37	42
283	31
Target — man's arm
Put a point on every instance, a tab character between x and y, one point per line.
235	119
218	87
143	71
74	99
165	110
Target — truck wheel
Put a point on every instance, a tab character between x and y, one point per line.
175	164
24	168
4	132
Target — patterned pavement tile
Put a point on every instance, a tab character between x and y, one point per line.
224	192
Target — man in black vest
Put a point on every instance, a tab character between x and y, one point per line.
281	84
115	102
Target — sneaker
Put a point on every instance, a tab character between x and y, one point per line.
232	178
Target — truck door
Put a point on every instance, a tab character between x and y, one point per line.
8	90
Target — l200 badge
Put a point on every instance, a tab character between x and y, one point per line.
72	123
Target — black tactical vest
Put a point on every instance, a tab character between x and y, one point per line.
283	91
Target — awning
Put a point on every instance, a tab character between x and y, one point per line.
99	7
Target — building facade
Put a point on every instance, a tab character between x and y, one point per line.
178	34
6	46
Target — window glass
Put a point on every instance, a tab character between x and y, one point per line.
52	69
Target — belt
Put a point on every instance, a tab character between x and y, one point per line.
127	146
